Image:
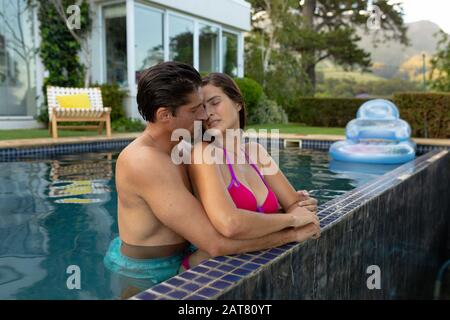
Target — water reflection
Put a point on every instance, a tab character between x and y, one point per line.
40	234
308	169
360	172
23	240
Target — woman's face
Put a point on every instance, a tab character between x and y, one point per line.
223	113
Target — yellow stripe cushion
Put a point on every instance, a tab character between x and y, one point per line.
79	101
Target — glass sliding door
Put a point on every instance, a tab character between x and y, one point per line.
17	59
230	53
181	39
208	48
148	37
115	24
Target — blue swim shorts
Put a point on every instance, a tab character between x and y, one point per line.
156	269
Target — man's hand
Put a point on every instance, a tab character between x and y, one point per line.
304	217
310	231
306	201
310	204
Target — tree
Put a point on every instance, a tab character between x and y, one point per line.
316	30
440	64
273	65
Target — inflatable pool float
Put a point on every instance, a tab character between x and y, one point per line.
377	135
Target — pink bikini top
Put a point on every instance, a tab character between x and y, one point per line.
244	198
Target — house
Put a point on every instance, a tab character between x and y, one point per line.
127	37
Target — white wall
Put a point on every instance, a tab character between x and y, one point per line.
20	122
234	13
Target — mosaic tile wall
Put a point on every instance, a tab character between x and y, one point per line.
390	222
42	152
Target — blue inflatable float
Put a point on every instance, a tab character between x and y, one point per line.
377	135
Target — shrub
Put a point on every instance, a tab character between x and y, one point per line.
267	111
127	125
113	96
43	117
324	112
251	91
427	113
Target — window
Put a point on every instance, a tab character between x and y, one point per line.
17	64
148	38
230	53
181	40
209	49
116	44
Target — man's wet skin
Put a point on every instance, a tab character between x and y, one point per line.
143	235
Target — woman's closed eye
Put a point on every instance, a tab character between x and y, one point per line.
214	102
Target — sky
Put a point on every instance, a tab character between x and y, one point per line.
437	11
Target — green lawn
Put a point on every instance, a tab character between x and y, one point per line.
284	128
42	133
298	129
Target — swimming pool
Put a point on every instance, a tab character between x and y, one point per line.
62	212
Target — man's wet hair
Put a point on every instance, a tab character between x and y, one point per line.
167	84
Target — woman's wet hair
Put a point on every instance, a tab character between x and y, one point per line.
167	84
231	89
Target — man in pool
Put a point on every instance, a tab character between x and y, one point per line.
158	215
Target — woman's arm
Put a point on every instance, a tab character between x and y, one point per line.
230	221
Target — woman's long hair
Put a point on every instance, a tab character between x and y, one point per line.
231	89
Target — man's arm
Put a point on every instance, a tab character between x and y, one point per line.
164	191
226	218
310	231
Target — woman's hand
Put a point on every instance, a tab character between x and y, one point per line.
307	202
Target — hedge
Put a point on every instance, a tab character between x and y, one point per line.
325	112
425	112
428	112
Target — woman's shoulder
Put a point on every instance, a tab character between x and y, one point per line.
206	152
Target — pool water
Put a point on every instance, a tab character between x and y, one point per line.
62	212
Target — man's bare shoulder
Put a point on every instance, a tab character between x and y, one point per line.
205	152
138	161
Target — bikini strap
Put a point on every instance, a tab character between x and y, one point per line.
254	167
234	180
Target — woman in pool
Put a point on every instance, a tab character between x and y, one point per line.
231	189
